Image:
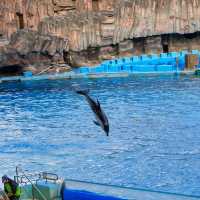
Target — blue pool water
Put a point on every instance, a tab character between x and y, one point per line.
154	138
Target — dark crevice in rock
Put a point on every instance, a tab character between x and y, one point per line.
20	18
11	70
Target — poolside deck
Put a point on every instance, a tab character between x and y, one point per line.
74	75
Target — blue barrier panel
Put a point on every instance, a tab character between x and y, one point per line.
135	62
195	51
131	59
77	70
27	73
182	53
142	62
122	68
101	69
163	55
98	69
143	68
114	68
154	61
175	67
84	195
84	70
108	62
134	58
128	68
121	61
115	62
125	68
92	70
171	61
126	60
167	61
105	62
163	61
106	68
173	64
145	57
164	68
174	54
181	62
154	56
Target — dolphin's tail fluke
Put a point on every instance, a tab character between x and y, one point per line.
82	92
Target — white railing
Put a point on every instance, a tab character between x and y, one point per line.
20	176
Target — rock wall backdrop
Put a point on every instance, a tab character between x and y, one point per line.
37	33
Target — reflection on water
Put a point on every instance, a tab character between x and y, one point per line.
154	137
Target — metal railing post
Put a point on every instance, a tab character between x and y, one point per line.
33	185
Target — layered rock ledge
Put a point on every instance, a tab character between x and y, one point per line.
85	32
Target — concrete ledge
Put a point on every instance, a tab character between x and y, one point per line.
72	75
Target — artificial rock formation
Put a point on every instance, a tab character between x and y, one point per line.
27	49
95	30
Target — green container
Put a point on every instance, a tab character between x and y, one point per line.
51	191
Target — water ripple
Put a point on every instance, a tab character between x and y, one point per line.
154	141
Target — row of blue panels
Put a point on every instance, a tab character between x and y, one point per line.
131	61
163	58
144	63
126	68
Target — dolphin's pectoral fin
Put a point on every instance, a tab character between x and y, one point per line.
95	122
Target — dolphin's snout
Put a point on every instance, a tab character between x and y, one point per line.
106	129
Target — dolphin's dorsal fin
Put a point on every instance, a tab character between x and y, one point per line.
98	104
82	92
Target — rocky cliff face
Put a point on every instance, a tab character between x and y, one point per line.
102	29
29	48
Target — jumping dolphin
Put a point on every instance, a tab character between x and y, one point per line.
101	119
